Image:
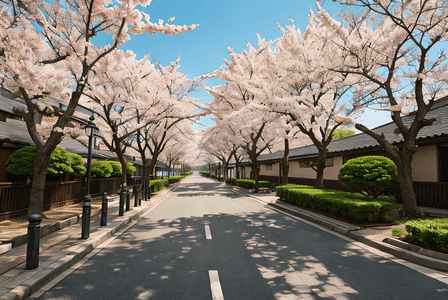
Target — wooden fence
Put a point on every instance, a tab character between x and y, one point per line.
431	194
15	197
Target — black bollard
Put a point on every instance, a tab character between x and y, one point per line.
121	204
104	210
86	208
139	191
128	200
135	196
33	242
149	192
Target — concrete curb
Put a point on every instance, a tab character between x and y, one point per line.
400	249
38	278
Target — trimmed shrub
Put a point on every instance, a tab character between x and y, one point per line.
130	169
21	162
102	169
158	184
249	184
372	174
282	190
76	164
174	179
430	233
116	168
337	203
185	173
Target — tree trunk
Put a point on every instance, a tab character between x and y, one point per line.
38	184
320	168
404	172
285	164
255	173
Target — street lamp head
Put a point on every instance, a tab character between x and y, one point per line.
91	128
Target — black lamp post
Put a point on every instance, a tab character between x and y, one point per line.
91	129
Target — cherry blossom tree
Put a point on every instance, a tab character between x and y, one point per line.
398	47
167	120
49	47
250	125
121	84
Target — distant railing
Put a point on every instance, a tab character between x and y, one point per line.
15	197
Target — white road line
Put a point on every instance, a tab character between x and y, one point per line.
215	285
208	233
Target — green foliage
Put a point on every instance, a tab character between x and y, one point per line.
205	173
397	231
372	174
430	233
130	169
185	173
282	190
21	162
76	165
158	184
341	133
102	169
116	168
246	183
341	204
59	163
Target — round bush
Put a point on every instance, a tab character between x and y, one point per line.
371	174
116	166
102	169
76	165
130	169
21	162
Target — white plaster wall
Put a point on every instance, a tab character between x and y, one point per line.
273	172
295	171
332	173
425	164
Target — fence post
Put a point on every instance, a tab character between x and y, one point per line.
128	199
149	192
33	242
104	210
121	204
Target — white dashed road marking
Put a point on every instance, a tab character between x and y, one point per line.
208	233
215	285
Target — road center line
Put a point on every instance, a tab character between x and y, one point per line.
215	285
208	233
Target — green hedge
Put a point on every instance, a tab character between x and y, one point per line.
431	233
158	184
246	183
341	204
185	173
282	190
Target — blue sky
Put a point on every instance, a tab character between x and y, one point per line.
222	24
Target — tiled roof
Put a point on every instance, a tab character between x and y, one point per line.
363	141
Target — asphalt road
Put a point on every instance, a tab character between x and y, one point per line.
207	241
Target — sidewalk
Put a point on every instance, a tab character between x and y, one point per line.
62	246
379	237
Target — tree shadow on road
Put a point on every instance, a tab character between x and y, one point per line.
259	255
